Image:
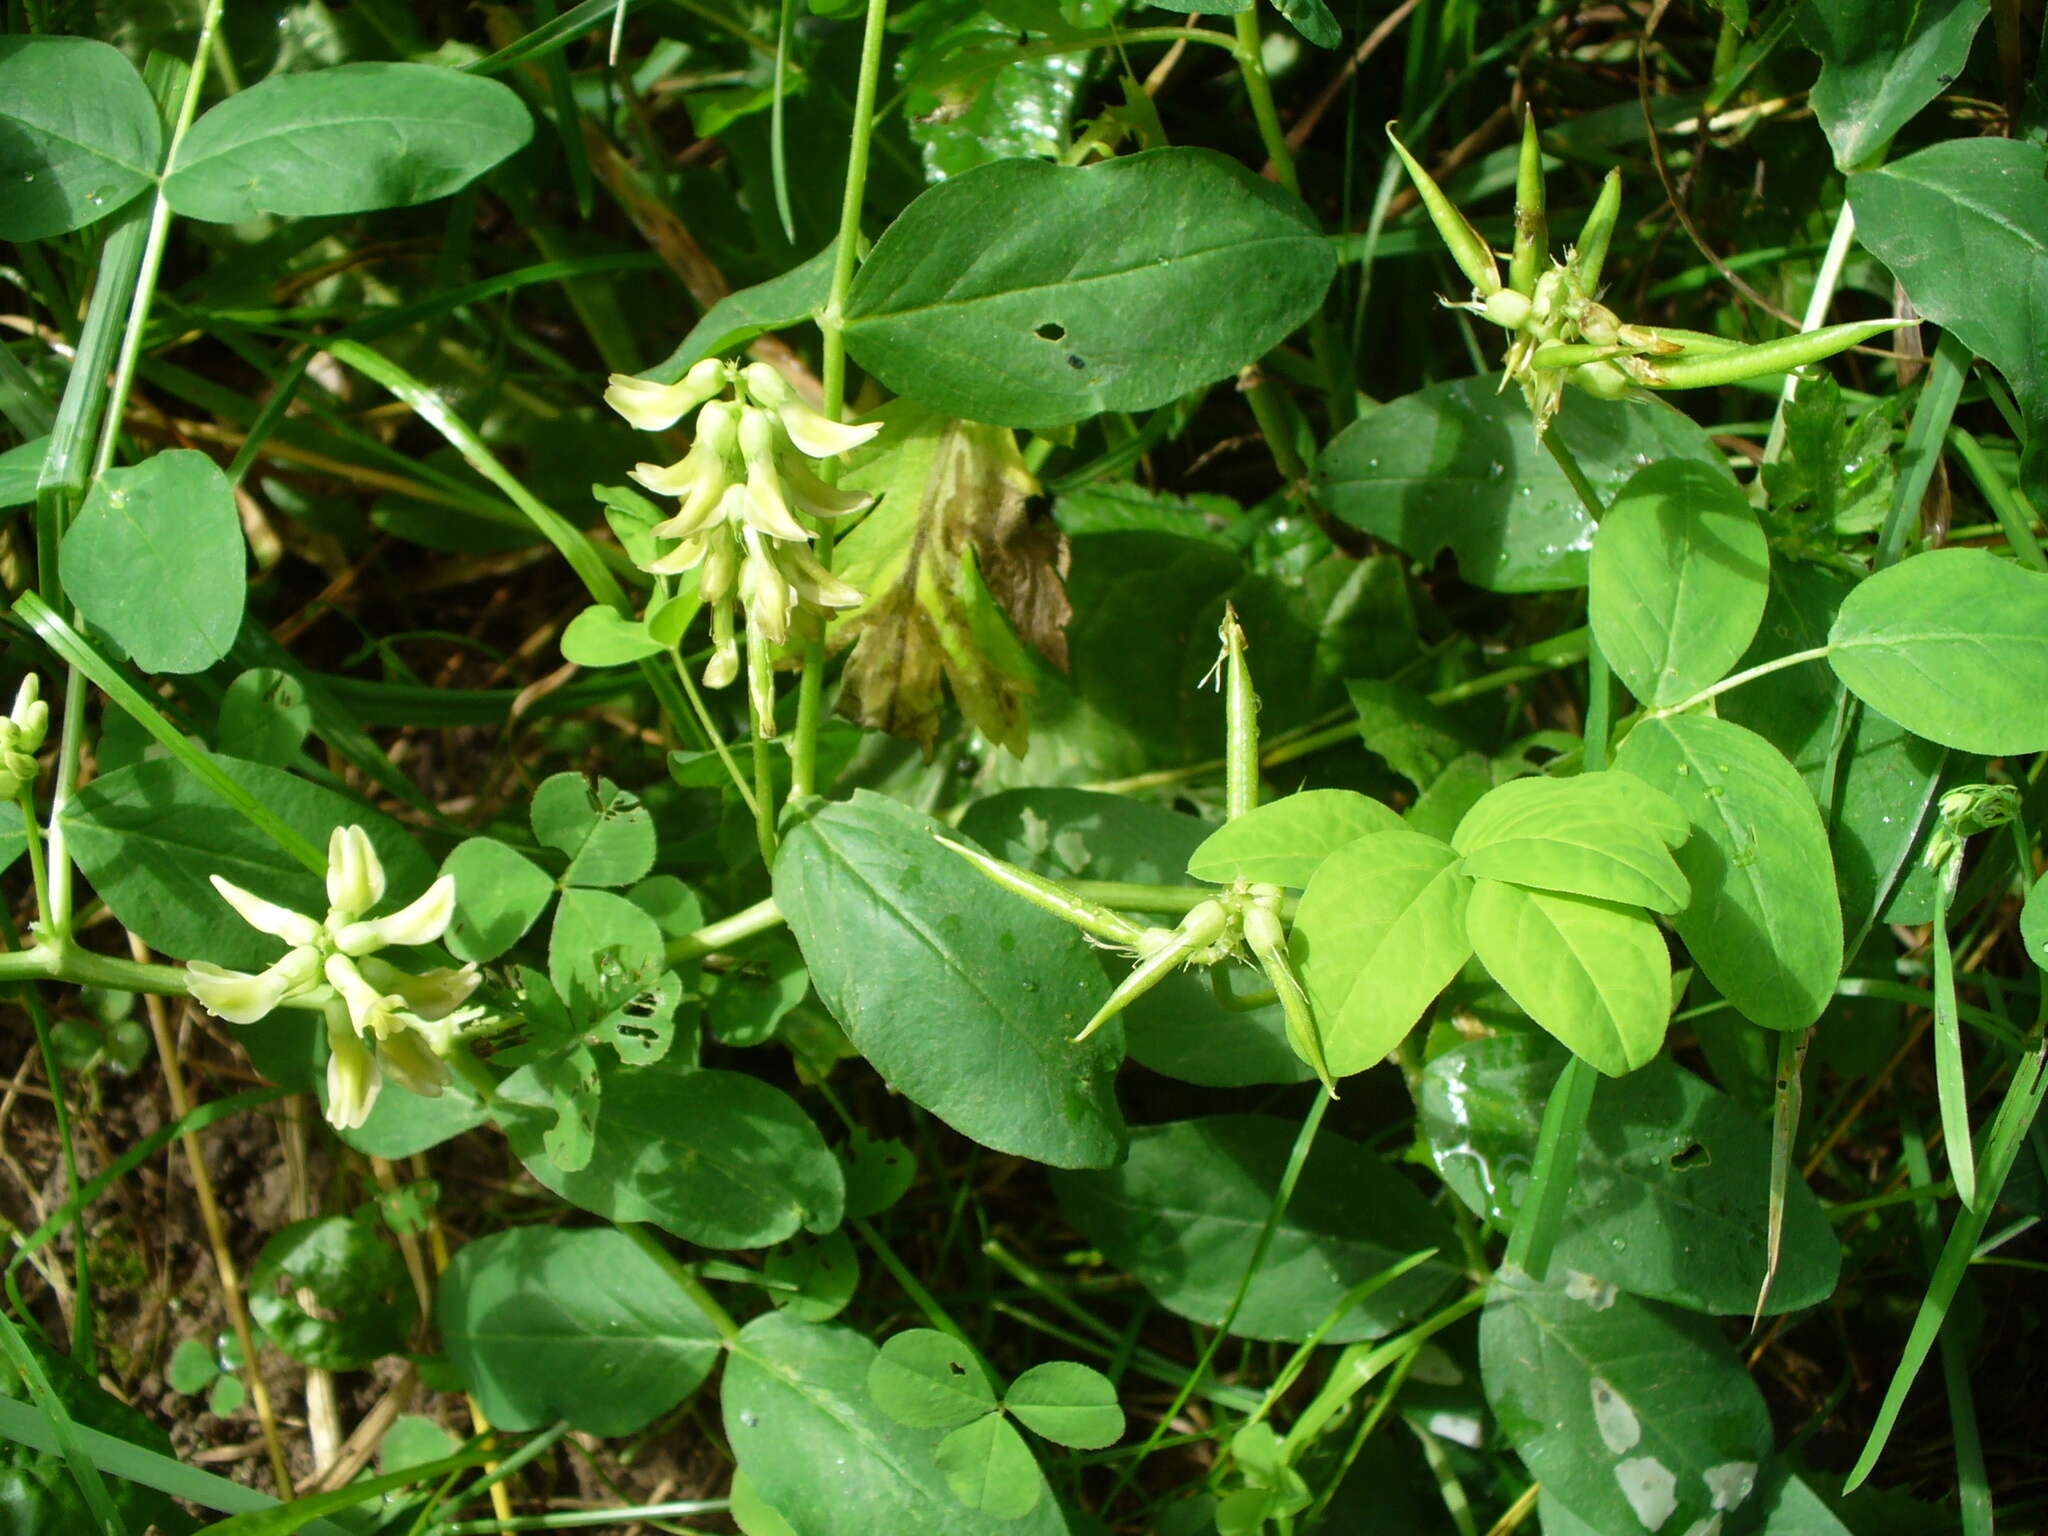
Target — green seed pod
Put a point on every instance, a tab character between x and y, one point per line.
1145	975
1532	227
1576	354
1590	255
1268	941
1090	917
1603	381
1473	256
1508	309
1241	722
1687	371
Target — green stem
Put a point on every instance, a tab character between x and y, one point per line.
803	777
1950	1082
58	960
747	923
1825	281
1599	678
645	1240
934	1311
1251	65
715	736
1556	1168
34	837
764	796
1747	675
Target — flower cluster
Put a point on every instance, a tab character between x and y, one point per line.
21	733
747	477
381	1021
1561	333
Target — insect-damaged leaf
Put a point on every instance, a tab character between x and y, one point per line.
954	570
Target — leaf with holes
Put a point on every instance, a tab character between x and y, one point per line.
606	832
1034	295
929	1380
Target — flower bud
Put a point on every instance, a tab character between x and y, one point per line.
352	1077
237	996
766	510
810	431
355	875
656	407
31	716
1507	309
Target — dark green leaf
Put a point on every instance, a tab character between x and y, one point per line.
360	1288
929	1380
1457	466
718	1158
990	1468
546	1323
348	139
155	560
79	135
1033	295
1679	576
825	1274
1670	1198
1952	644
739	317
1880	63
815	1448
1068	1403
1182	1217
264	717
884	913
1636	1417
21	466
498	894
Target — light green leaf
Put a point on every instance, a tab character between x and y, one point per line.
721	1159
929	1380
815	1448
1379	932
602	950
1595	974
1880	63
1680	571
1282	842
606	832
148	836
155	560
1596	834
1964	228
79	135
499	892
990	1468
547	1323
601	636
883	913
825	1274
1952	644
192	1367
1670	1197
1032	295
2034	923
349	139
1457	466
1068	1403
1765	923
1636	1417
21	467
361	1302
1183	1214
264	717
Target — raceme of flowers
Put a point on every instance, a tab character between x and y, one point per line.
381	1021
745	487
21	734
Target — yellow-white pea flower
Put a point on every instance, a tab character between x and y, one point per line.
656	407
21	733
811	431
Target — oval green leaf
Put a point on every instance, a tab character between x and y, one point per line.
499	892
1379	932
1593	973
1679	574
1182	1217
545	1324
1596	834
990	1468
721	1159
1765	923
1033	295
1457	466
929	1380
1952	644
361	1302
606	832
79	135
816	1449
349	139
1282	842
883	913
1880	63
1068	1403
1671	1197
155	561
1636	1417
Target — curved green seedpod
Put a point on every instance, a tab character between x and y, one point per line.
1532	226
1090	917
1780	356
1575	354
1590	255
1202	927
1472	254
1268	943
